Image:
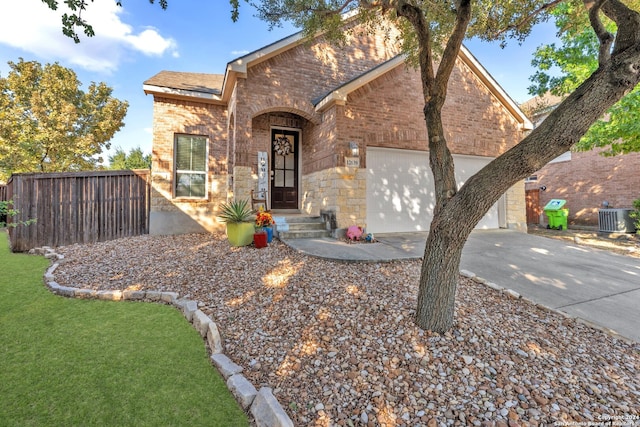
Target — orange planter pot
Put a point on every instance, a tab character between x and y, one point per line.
260	240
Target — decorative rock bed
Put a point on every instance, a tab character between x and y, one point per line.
337	345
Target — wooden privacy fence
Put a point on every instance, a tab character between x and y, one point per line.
78	207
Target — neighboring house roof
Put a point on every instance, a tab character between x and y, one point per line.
220	87
205	87
539	107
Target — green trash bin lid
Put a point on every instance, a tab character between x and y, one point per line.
555	204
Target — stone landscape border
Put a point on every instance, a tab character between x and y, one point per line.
260	404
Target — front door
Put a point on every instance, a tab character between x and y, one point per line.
284	169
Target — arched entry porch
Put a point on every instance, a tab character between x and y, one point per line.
280	140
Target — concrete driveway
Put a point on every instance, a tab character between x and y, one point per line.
592	284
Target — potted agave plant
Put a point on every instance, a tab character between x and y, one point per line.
239	218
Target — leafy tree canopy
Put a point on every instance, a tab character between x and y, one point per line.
48	124
136	159
576	58
489	20
72	21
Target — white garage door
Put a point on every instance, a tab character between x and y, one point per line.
400	189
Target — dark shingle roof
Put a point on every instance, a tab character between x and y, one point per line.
197	82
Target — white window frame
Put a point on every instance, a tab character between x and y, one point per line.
177	171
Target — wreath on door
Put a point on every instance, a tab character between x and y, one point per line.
282	145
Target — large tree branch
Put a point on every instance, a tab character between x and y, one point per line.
564	126
435	91
606	38
414	15
452	48
528	18
627	21
557	134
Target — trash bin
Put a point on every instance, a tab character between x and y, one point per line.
557	214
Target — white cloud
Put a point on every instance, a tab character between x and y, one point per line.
239	52
31	26
150	42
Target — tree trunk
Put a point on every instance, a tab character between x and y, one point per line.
438	280
448	234
439	274
457	213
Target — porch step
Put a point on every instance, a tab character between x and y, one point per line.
300	227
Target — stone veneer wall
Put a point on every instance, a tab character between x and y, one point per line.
169	216
516	208
244	180
344	191
340	189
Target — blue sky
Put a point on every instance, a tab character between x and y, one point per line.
134	42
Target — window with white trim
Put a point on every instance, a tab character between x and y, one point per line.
190	157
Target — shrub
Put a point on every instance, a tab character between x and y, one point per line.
7	211
635	215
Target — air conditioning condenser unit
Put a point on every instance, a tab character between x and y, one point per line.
615	221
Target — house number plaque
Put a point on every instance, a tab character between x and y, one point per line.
352	162
263	172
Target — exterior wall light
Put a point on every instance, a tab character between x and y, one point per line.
355	151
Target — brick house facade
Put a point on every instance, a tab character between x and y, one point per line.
587	180
316	113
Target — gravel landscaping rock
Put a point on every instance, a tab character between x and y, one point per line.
337	344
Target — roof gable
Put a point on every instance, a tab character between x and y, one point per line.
339	94
241	64
218	88
467	57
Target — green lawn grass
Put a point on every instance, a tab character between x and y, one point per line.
68	362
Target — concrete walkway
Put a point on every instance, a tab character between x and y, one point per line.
595	285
